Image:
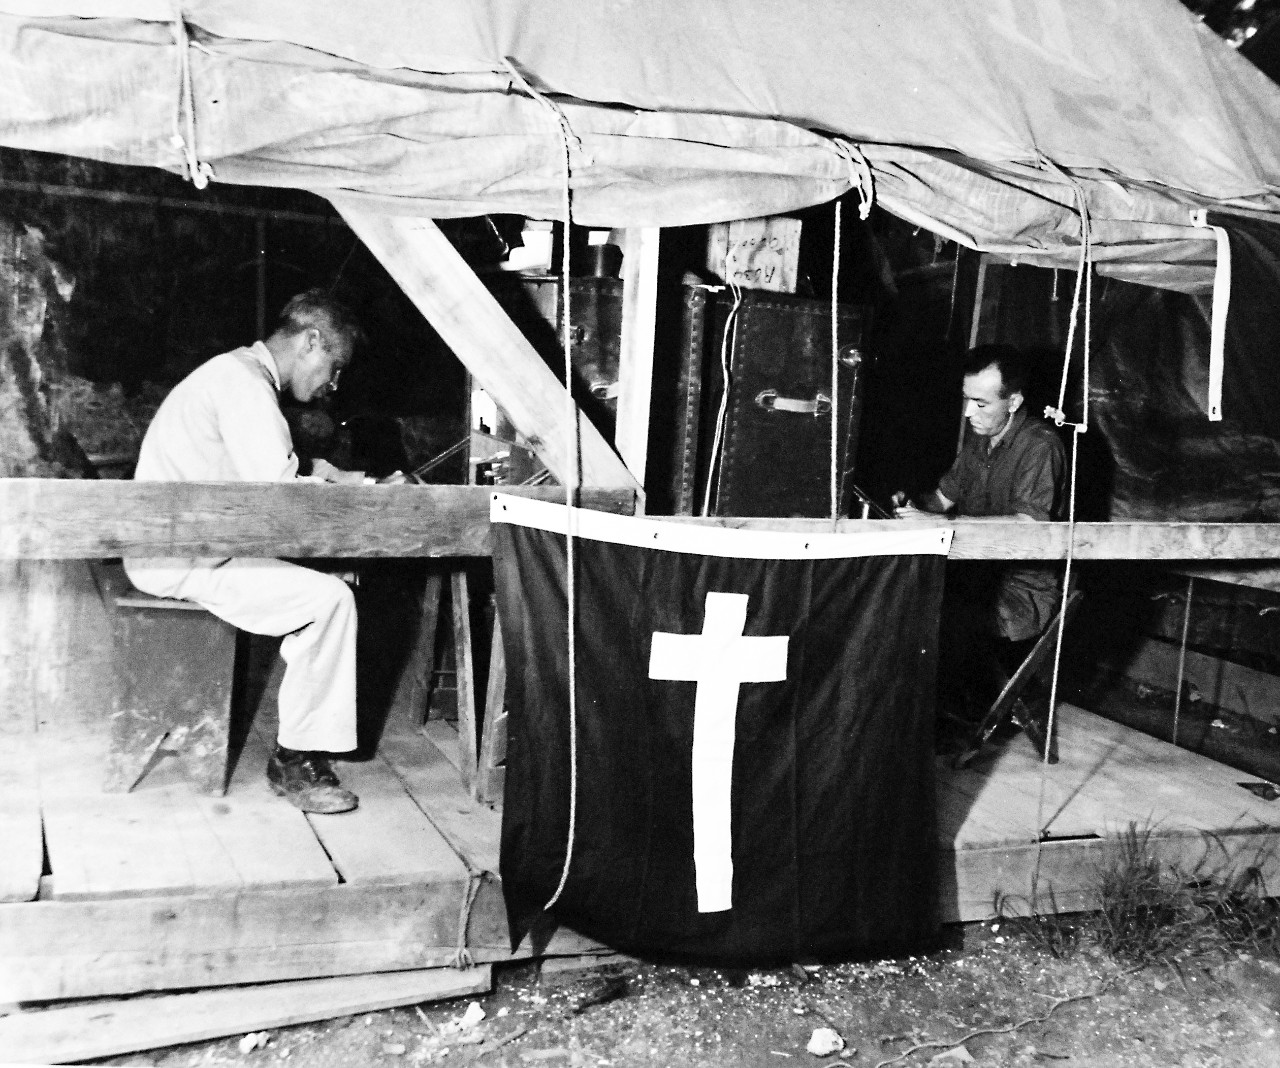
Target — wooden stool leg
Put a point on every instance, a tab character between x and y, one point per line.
465	658
414	686
490	775
134	741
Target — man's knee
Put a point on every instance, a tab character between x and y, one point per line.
332	591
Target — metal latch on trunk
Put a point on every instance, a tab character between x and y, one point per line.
769	400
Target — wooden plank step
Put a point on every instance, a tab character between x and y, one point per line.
1107	777
1195	788
53	950
271	844
387	839
165	837
973	879
418	757
81	1032
104	845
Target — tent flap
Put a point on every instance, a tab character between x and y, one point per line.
981	129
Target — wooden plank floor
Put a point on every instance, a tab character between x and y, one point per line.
1108	777
167	887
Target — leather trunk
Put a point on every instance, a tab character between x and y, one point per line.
773	456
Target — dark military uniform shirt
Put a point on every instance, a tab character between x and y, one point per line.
1021	474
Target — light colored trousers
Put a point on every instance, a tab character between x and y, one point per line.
315	612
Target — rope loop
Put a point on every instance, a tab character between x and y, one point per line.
1084	283
859	174
184	133
462	957
568	140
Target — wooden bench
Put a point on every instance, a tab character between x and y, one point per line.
176	664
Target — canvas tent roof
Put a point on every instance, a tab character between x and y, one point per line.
983	120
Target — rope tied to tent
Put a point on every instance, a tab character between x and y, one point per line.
1084	280
568	139
859	174
462	957
835	369
184	132
728	343
567	136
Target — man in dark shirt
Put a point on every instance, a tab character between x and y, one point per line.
1010	466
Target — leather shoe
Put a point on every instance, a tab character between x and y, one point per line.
307	781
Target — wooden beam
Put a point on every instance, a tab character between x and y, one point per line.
67	519
635	363
83	1032
1258	578
52	950
472	323
972	880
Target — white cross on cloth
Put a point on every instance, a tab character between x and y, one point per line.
719	660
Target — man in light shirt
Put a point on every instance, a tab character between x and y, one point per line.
223	423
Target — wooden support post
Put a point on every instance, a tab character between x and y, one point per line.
464	658
490	774
30	645
635	363
414	685
472	323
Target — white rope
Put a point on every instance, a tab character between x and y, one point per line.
1182	656
567	140
835	371
1084	279
184	135
728	342
1083	270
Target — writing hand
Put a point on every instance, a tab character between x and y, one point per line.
902	506
325	470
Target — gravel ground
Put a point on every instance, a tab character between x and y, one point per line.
991	998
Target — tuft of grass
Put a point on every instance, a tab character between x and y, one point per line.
1044	925
1145	913
1149	912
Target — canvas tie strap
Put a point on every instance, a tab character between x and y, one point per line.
1218	318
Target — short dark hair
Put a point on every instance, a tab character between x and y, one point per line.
1012	363
315	308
